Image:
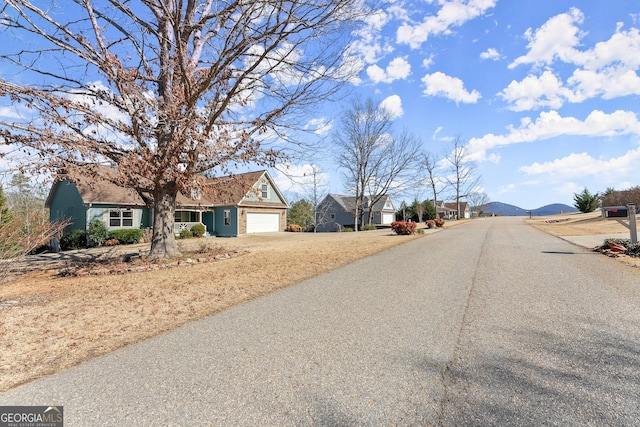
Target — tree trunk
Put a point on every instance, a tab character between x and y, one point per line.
163	242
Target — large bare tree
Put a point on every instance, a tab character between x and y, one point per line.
463	177
167	90
375	160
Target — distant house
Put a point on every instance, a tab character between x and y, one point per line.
336	212
227	206
450	210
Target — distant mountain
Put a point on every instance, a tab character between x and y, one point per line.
505	209
554	209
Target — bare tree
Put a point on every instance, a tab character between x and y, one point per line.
168	90
433	180
374	160
477	200
463	176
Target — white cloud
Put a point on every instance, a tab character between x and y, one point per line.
583	164
12	112
369	45
608	70
427	62
398	68
550	125
535	92
451	14
299	179
393	104
442	85
556	38
491	54
320	126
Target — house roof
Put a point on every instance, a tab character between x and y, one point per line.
454	206
220	191
99	191
348	203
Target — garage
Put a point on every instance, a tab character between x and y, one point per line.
263	222
387	218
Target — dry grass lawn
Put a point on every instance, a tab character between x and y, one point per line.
49	323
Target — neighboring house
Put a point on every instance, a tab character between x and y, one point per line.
336	212
450	210
227	206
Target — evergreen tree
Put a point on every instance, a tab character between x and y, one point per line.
301	213
586	202
5	212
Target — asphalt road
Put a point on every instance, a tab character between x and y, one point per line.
489	323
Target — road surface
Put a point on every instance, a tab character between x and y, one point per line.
489	323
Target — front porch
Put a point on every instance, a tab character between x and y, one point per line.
185	219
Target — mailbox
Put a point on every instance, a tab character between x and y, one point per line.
616	212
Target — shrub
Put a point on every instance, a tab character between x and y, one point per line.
348	230
294	228
186	234
97	233
126	237
198	230
76	239
633	250
403	228
420	231
369	227
431	223
439	222
112	242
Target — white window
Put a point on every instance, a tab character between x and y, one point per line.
227	217
265	192
121	218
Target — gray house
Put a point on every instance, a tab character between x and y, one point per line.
227	206
336	212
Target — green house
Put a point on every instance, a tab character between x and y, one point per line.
227	206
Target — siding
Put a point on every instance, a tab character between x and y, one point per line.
255	195
67	203
226	230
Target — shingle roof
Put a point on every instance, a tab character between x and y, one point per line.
220	191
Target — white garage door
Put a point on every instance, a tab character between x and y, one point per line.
263	222
387	218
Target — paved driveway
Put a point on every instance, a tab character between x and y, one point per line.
490	323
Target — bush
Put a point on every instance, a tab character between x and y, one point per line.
403	228
420	231
198	230
431	223
633	250
112	242
126	237
294	228
369	227
186	234
98	232
76	239
348	230
439	222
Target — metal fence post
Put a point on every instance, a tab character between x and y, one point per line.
633	230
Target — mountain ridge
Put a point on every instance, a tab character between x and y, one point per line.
505	209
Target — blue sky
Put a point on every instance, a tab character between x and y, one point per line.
545	92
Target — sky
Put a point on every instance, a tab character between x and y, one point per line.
545	93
